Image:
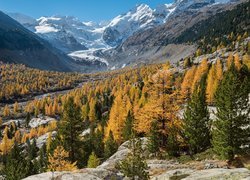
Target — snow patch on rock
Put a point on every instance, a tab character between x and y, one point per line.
88	55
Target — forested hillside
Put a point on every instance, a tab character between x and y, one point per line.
195	110
19	81
139	102
219	31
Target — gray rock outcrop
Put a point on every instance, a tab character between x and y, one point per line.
158	169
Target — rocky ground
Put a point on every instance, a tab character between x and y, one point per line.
158	170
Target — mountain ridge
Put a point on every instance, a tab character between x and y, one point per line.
19	45
141	28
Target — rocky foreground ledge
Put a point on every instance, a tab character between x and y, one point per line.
184	174
159	170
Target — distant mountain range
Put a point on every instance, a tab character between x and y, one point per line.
139	36
19	45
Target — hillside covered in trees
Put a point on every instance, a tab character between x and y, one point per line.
148	102
197	109
19	81
219	31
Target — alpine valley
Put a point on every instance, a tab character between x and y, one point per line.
161	94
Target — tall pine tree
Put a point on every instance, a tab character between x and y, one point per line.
127	130
70	129
196	120
110	146
153	145
15	167
231	130
134	166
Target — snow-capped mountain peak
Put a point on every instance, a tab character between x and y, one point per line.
135	15
122	26
142	9
67	29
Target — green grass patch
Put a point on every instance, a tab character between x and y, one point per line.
184	159
208	154
178	177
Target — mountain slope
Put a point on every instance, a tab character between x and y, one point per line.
175	25
18	45
139	18
236	21
145	44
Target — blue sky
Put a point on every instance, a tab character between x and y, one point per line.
87	10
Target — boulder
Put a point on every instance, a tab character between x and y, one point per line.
40	120
121	154
42	139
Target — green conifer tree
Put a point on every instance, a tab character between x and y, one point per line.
93	161
31	167
173	145
196	120
27	119
70	128
97	142
154	139
33	150
110	146
15	165
231	130
43	159
134	166
127	130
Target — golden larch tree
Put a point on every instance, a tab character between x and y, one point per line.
6	111
162	105
16	108
58	161
48	142
118	114
187	82
201	70
237	61
92	110
230	59
17	136
215	74
6	143
246	60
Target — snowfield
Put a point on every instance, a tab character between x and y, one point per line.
87	55
45	29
